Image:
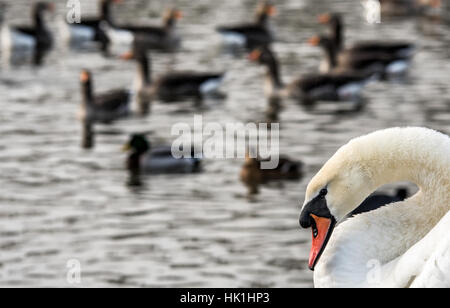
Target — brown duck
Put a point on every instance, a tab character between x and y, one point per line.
252	174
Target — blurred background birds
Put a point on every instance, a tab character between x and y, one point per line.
145	218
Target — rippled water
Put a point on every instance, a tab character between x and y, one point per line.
59	202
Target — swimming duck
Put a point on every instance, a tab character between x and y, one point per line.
379	65
105	107
35	39
378	200
407	7
397	49
254	34
252	175
162	38
309	88
172	86
159	160
89	29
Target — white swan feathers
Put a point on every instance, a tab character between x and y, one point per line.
405	244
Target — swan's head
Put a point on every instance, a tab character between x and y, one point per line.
339	187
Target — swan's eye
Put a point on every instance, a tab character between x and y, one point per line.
323	192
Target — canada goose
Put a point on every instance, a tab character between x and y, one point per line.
35	39
309	88
90	29
380	65
172	86
254	34
162	37
104	107
395	49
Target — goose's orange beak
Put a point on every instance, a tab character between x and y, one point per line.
271	10
254	55
178	15
436	3
51	7
321	232
84	76
324	18
127	56
314	41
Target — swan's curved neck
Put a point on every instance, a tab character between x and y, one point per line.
415	155
420	159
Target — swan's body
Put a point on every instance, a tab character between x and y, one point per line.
404	244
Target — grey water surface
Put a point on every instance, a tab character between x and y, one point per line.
59	202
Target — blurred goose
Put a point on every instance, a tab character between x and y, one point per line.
309	88
36	39
378	200
89	28
253	175
407	7
105	107
144	158
172	86
163	37
374	64
251	35
396	49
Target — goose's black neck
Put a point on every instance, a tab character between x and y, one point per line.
38	17
144	68
273	71
88	136
87	92
262	19
330	52
169	22
337	31
105	11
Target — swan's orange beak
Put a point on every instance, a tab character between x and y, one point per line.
321	232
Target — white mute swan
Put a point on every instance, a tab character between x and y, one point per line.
404	244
